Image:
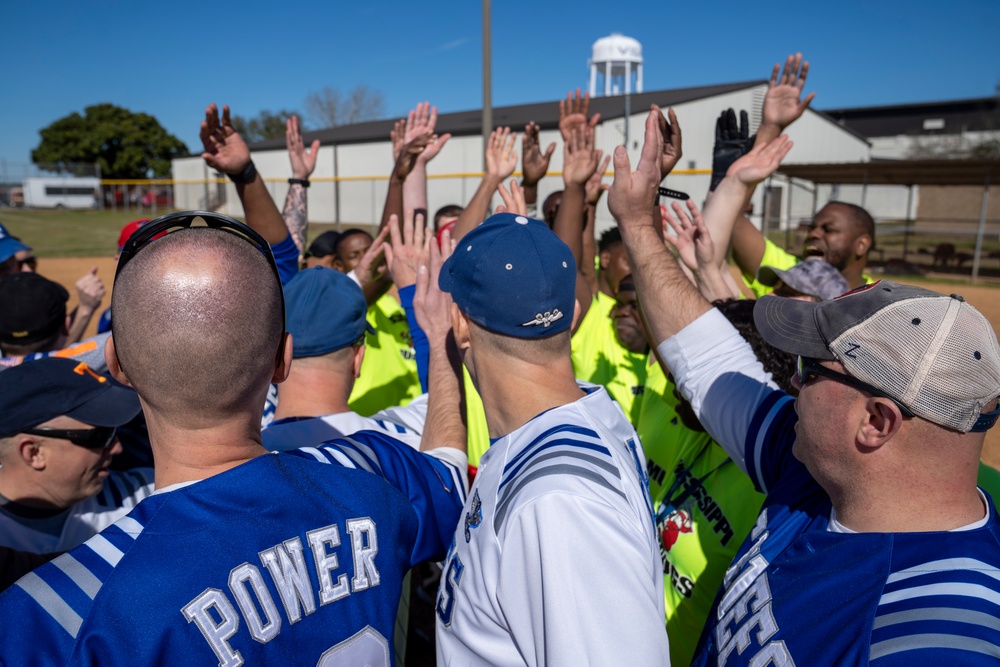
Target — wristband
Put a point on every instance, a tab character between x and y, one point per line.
246	176
304	182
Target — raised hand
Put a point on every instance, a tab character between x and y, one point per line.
534	163
372	266
513	201
732	141
782	103
632	194
409	154
693	242
760	163
431	306
225	150
422	120
501	158
303	163
573	114
670	154
595	187
403	252
580	160
90	290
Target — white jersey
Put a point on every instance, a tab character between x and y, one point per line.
556	562
405	424
121	492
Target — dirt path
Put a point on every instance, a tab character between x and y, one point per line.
67	270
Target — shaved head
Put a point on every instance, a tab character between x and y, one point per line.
197	321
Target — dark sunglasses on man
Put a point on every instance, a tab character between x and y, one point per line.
99	437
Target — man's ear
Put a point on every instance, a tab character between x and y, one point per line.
359	358
577	309
862	245
31	452
605	259
283	364
883	421
460	327
111	359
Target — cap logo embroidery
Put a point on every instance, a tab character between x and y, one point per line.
849	352
545	319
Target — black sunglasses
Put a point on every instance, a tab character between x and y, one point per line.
807	368
99	437
176	221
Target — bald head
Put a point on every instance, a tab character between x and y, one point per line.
197	321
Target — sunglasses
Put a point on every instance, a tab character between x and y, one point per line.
809	368
176	221
99	437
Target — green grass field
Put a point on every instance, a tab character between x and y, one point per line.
90	233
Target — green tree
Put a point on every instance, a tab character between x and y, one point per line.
265	125
125	144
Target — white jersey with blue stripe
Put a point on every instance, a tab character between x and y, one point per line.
121	492
556	560
799	593
294	558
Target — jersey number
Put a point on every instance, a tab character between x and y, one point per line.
446	595
367	647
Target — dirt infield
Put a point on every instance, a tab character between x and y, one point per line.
66	270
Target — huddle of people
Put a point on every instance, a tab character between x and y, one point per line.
615	457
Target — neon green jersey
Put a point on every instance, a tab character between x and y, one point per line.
598	357
989	480
705	506
475	421
389	370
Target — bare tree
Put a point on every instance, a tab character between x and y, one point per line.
329	107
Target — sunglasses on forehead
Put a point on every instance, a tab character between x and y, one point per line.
155	229
99	437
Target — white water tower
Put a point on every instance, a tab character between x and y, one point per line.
618	58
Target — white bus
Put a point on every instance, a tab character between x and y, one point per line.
62	192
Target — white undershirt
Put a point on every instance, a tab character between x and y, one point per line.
837	527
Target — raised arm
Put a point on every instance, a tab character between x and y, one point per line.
669	300
296	211
783	103
580	162
420	121
445	426
501	160
534	164
593	190
225	151
694	247
90	291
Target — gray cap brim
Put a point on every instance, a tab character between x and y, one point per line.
790	325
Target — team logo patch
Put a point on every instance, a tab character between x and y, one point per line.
545	319
473	517
678	522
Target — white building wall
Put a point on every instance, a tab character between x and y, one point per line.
454	174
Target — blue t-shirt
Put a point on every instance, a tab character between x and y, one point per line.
291	558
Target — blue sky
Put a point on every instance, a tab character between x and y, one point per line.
172	59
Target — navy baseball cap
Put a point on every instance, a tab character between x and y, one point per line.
512	275
326	311
37	391
9	246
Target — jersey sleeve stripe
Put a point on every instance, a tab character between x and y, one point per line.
504	491
562	428
49	600
336	456
561	469
127	483
129	526
925	641
112	485
79	575
949	588
311	451
944	565
109	552
369	455
511	472
759	434
936	615
356	458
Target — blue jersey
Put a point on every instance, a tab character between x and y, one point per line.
799	593
291	558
